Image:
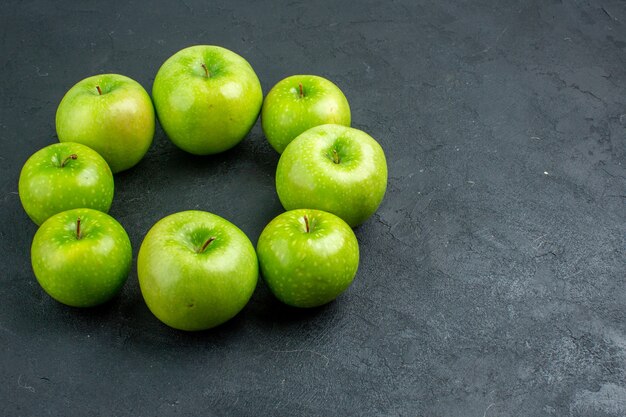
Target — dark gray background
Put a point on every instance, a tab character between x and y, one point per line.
492	278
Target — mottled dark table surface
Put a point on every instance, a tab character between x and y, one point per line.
492	279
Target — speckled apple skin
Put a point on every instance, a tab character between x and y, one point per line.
206	115
191	290
308	177
308	269
286	113
119	124
46	188
81	272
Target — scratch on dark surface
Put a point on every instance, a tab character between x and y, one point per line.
39	73
390	230
576	87
611	175
304	350
545	254
24	385
365	319
187	5
606	12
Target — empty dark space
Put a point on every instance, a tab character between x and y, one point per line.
492	279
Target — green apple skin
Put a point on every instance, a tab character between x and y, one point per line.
207	99
52	181
81	271
308	257
333	168
117	122
189	287
299	103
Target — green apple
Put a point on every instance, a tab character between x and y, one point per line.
333	168
207	99
111	114
64	176
196	270
299	103
81	257
308	257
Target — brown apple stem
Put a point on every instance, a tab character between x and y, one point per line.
99	91
207	243
66	160
78	236
336	156
306	223
206	71
301	91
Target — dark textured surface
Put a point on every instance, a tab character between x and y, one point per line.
492	280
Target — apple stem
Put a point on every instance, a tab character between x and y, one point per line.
99	91
206	71
78	236
301	90
306	223
66	160
336	156
207	243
